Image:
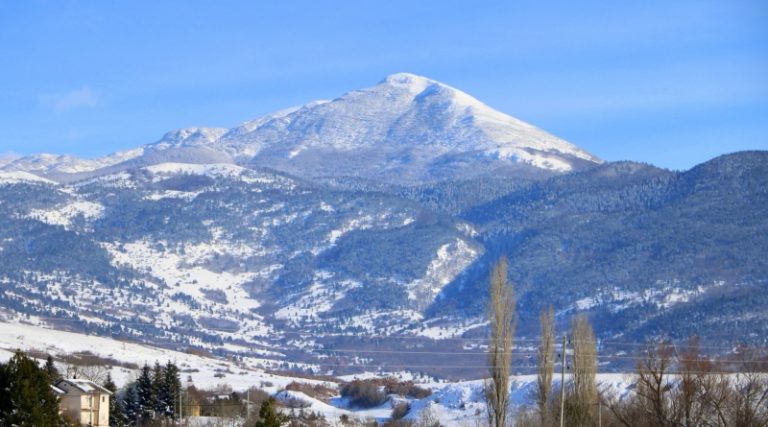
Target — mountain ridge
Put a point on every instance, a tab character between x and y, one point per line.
406	129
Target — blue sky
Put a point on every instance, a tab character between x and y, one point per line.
670	83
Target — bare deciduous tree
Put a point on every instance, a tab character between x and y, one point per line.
95	373
685	388
546	364
750	401
501	315
649	405
686	397
584	366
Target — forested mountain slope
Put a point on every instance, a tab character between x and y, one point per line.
648	251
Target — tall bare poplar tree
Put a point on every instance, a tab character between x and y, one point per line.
501	315
546	363
584	364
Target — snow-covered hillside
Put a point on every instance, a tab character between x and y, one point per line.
204	371
220	257
51	164
452	403
13	177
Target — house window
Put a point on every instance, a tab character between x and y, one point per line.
102	399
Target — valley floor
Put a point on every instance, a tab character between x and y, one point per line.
452	403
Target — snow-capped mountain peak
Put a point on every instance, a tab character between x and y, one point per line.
406	129
411	82
424	86
190	137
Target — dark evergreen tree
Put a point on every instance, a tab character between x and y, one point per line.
26	397
165	405
116	418
268	416
170	390
145	393
157	389
50	369
130	404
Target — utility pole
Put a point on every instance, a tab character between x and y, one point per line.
599	413
562	383
247	403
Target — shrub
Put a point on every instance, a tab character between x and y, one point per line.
405	388
294	402
400	410
417	392
374	391
317	391
364	394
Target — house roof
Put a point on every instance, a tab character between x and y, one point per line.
57	390
86	386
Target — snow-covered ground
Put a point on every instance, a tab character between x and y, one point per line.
181	275
63	215
205	372
451	259
664	295
452	403
15	177
215	170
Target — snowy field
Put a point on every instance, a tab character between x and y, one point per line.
453	403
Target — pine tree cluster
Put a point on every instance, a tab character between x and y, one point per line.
26	396
154	395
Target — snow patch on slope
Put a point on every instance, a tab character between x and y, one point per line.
222	305
215	170
666	294
450	260
441	332
64	215
181	275
318	299
15	177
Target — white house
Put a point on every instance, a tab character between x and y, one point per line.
84	401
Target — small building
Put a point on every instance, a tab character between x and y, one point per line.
84	401
192	408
